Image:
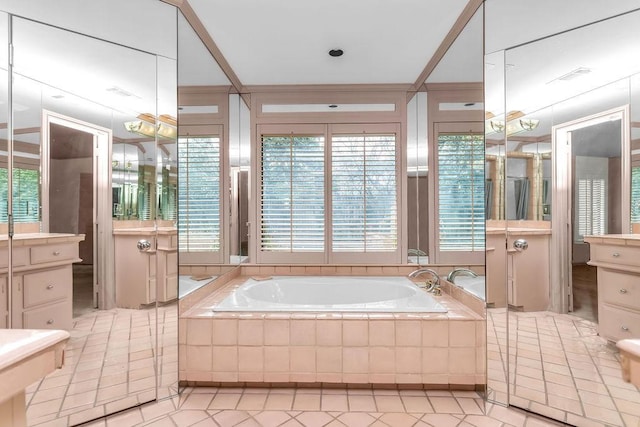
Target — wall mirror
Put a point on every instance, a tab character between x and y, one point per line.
213	172
78	174
565	143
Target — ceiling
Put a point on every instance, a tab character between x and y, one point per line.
286	42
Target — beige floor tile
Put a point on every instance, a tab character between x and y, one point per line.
441	420
334	402
445	405
225	401
306	402
279	402
314	418
252	402
271	418
362	403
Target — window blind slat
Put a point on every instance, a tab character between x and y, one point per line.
364	193
199	194
461	183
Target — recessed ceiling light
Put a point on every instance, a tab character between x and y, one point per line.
336	52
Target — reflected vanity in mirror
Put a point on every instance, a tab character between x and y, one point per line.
566	216
78	174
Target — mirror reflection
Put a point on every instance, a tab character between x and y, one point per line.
566	221
83	184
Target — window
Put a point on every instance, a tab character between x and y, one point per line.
590	196
330	197
26	190
292	194
635	195
461	183
364	206
591	211
199	194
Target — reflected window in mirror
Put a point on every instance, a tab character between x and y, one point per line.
199	189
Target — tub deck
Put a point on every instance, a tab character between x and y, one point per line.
442	350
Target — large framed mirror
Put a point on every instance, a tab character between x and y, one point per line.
563	131
86	181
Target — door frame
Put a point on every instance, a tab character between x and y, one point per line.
561	250
103	275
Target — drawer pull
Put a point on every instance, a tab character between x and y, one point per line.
623	291
615	254
51	287
56	253
624	328
50	322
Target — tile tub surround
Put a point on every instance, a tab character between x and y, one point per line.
430	350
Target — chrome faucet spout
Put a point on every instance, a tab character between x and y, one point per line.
434	285
460	271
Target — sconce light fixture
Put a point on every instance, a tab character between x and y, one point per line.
496	125
145	125
513	124
529	124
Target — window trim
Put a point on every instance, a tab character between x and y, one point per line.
328	256
210	257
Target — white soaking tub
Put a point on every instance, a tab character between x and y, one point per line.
330	294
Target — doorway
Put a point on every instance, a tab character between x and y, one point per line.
590	150
70	193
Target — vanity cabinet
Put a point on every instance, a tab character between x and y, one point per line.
42	285
525	286
167	254
4	306
617	258
144	277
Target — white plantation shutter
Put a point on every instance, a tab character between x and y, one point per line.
592	208
635	195
199	194
292	194
364	195
461	183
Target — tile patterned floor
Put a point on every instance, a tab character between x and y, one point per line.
109	365
576	378
212	407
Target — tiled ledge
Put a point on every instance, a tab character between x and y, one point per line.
433	350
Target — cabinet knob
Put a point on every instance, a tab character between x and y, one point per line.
615	254
623	291
143	245
49	286
56	253
624	328
520	245
50	322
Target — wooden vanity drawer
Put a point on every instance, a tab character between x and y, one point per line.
47	286
53	253
619	288
54	316
19	257
617	323
613	254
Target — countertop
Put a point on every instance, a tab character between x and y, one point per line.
26	355
615	239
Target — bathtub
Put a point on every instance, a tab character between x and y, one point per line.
474	285
330	294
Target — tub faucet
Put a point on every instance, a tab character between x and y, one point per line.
458	271
434	285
